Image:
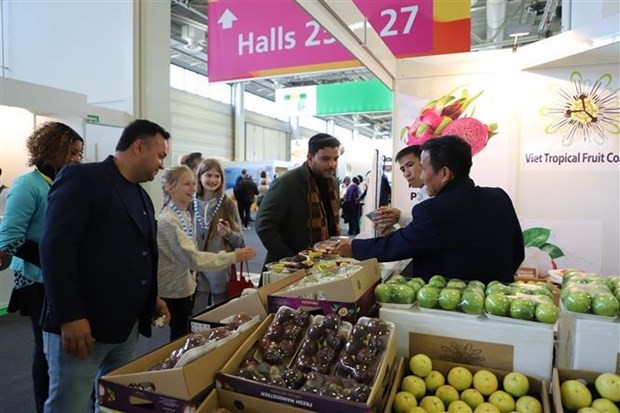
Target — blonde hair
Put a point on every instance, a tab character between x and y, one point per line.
205	165
171	177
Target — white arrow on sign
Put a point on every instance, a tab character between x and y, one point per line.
227	19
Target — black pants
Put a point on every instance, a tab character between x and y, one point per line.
180	312
244	213
40	378
354	219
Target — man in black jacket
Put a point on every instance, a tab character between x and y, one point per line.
245	191
464	231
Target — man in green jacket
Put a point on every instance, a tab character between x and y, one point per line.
302	206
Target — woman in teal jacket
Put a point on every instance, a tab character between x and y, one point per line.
50	147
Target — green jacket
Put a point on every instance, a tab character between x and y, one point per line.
282	219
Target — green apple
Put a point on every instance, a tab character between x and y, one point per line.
497	304
575	395
605	406
447	394
477	284
396	279
419	281
608	386
547	313
504	401
403	294
459	406
528	404
404	401
449	299
456	283
413	285
577	301
438	280
428	296
384	292
516	384
414	385
460	378
433	381
472	397
486	408
421	365
498	288
485	382
472	302
432	404
417	409
522	309
588	410
605	304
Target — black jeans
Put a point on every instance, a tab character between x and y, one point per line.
244	213
40	379
180	312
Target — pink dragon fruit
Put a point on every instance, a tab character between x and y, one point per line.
473	131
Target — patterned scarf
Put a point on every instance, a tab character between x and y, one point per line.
317	220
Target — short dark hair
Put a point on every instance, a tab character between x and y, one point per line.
449	151
409	150
320	141
190	159
139	129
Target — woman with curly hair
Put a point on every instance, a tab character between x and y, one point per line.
218	227
50	147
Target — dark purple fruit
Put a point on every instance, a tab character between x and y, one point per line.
304	362
293	378
327	355
301	318
314	381
299	258
275	332
376	326
331	322
377	344
291	332
315	332
287	348
263	368
347	360
323	367
352	346
362	373
359	332
309	347
284	315
365	355
272	355
335	341
360	393
264	343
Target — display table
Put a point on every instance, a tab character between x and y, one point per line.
526	346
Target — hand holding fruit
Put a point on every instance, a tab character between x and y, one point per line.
223	228
244	254
386	216
343	248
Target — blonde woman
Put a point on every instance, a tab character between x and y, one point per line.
178	253
218	228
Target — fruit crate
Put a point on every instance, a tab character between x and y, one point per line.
588	342
560	375
538	388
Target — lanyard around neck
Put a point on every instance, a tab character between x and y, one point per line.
187	229
47	178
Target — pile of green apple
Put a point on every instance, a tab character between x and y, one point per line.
452	295
398	290
522	301
429	391
590	293
576	396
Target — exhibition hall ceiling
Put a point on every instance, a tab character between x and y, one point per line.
188	40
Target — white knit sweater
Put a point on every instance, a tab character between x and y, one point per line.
178	255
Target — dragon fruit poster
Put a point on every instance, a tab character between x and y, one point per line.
570	119
467	106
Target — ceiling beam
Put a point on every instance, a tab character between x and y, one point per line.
343	20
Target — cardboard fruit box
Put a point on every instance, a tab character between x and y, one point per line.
588	342
503	345
260	397
175	390
351	298
538	388
240	403
560	375
253	304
